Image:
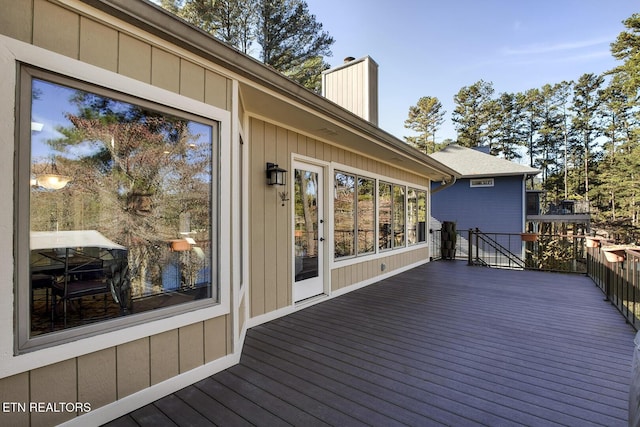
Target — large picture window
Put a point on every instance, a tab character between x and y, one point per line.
121	206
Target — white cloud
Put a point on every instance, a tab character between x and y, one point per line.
539	48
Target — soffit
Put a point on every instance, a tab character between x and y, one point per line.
342	129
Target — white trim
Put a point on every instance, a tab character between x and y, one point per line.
130	403
236	195
346	261
321	168
12	50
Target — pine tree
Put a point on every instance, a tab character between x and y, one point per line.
290	39
289	36
586	103
510	134
471	113
425	118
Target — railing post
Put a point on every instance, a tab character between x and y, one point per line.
477	257
470	248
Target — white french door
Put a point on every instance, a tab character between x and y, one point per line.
308	235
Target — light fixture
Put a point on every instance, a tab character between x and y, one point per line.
276	175
52	180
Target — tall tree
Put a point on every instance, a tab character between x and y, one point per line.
626	48
551	132
290	36
510	134
529	101
290	39
471	113
425	118
231	21
586	102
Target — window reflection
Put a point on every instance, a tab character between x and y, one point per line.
385	232
344	215
131	230
366	215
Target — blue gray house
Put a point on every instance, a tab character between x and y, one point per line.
490	194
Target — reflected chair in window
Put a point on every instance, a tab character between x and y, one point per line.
88	279
119	283
41	281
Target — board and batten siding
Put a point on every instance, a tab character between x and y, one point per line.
105	376
354	86
270	222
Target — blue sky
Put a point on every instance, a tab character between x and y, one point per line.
436	47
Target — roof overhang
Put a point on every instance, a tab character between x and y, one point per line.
269	94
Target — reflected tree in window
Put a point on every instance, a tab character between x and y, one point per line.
344	214
385	232
141	177
366	215
398	216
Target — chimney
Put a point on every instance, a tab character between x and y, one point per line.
354	86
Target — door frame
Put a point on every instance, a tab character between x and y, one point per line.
307	163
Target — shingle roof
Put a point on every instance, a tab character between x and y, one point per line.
473	163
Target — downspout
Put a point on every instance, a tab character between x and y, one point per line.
444	186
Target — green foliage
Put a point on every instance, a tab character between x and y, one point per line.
424	118
472	112
290	39
626	48
584	136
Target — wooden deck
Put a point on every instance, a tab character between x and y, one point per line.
443	344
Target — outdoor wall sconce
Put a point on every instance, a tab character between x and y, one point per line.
276	175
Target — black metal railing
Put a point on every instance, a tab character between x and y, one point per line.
501	250
616	271
461	244
546	252
531	251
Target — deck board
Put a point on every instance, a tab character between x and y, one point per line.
442	344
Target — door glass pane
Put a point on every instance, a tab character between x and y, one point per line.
306	224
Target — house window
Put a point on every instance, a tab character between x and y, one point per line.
117	199
398	216
482	182
354	215
344	206
391	216
385	202
366	219
416	216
